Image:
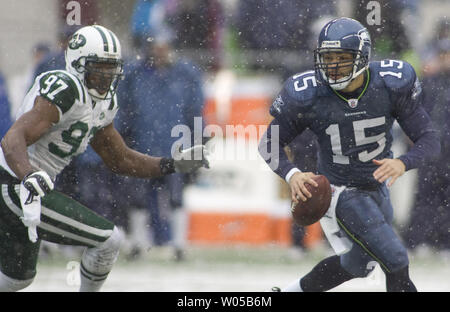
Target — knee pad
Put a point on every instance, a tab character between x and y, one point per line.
9	284
99	260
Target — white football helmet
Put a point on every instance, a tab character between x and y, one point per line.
94	55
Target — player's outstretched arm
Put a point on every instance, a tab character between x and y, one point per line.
121	159
26	131
110	146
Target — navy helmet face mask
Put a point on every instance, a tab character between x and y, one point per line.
343	52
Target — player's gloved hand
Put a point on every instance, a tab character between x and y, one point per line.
34	186
38	183
191	159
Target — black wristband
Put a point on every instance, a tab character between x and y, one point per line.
167	166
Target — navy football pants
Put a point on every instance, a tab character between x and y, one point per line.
366	218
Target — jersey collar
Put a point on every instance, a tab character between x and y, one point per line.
358	93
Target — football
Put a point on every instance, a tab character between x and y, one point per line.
310	211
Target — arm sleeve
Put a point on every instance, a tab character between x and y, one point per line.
417	125
271	147
283	129
426	140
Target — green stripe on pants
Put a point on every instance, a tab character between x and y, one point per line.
63	221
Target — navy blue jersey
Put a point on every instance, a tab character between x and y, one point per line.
350	134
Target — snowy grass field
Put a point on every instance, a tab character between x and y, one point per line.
227	269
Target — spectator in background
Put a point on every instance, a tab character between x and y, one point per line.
20	83
430	55
430	216
198	26
5	108
149	16
389	34
68	24
271	25
159	93
40	51
55	59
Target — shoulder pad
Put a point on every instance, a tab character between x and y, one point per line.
396	75
297	93
61	88
302	86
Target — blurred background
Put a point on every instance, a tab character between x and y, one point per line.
225	61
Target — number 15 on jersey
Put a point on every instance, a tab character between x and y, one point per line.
359	127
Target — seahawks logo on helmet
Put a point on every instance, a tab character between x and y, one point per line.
363	35
77	41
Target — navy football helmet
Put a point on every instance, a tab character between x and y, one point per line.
343	52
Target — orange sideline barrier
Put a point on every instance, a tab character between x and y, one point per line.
244	111
252	229
249	228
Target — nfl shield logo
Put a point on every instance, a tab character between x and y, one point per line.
352	103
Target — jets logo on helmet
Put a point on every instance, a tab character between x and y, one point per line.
77	40
342	36
94	55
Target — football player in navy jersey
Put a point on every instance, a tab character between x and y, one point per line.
350	104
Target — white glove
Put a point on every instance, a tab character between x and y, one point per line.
31	207
33	187
38	183
191	159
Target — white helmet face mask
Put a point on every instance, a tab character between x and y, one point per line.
94	56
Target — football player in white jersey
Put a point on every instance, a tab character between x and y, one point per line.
62	113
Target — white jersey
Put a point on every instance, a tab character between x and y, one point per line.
79	119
